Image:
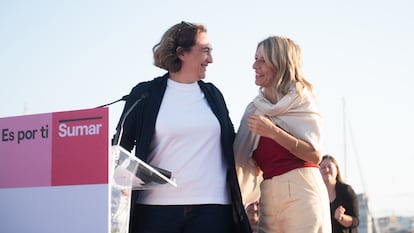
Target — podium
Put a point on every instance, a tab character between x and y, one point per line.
131	173
59	173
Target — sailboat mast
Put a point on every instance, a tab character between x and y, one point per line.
345	141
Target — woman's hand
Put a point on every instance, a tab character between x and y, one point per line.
261	125
252	211
339	212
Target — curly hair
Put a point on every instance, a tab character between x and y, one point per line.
177	39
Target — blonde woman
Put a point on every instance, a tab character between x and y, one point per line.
278	145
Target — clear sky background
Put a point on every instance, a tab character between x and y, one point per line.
58	55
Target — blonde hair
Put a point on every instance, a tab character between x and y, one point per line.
285	57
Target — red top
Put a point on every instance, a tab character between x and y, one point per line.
274	160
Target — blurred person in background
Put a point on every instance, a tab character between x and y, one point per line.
342	198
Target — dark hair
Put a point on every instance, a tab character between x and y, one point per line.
178	39
333	160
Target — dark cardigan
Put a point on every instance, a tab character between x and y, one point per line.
346	197
139	127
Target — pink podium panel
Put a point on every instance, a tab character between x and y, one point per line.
54	172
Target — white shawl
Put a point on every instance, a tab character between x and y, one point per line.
296	115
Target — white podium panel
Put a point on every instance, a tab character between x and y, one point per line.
58	173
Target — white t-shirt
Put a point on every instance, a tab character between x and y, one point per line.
187	143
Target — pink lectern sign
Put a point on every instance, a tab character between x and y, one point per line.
54	172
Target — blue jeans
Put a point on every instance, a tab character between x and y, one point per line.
209	218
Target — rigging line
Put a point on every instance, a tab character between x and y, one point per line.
345	141
368	209
347	122
355	150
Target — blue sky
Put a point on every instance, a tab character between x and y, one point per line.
68	55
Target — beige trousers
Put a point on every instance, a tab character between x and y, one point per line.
295	202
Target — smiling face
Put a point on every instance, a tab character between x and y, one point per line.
195	61
265	74
329	171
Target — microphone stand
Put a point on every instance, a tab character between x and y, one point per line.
144	174
124	98
118	134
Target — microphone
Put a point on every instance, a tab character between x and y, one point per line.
145	174
124	98
118	134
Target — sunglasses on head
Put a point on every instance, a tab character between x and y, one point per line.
183	26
